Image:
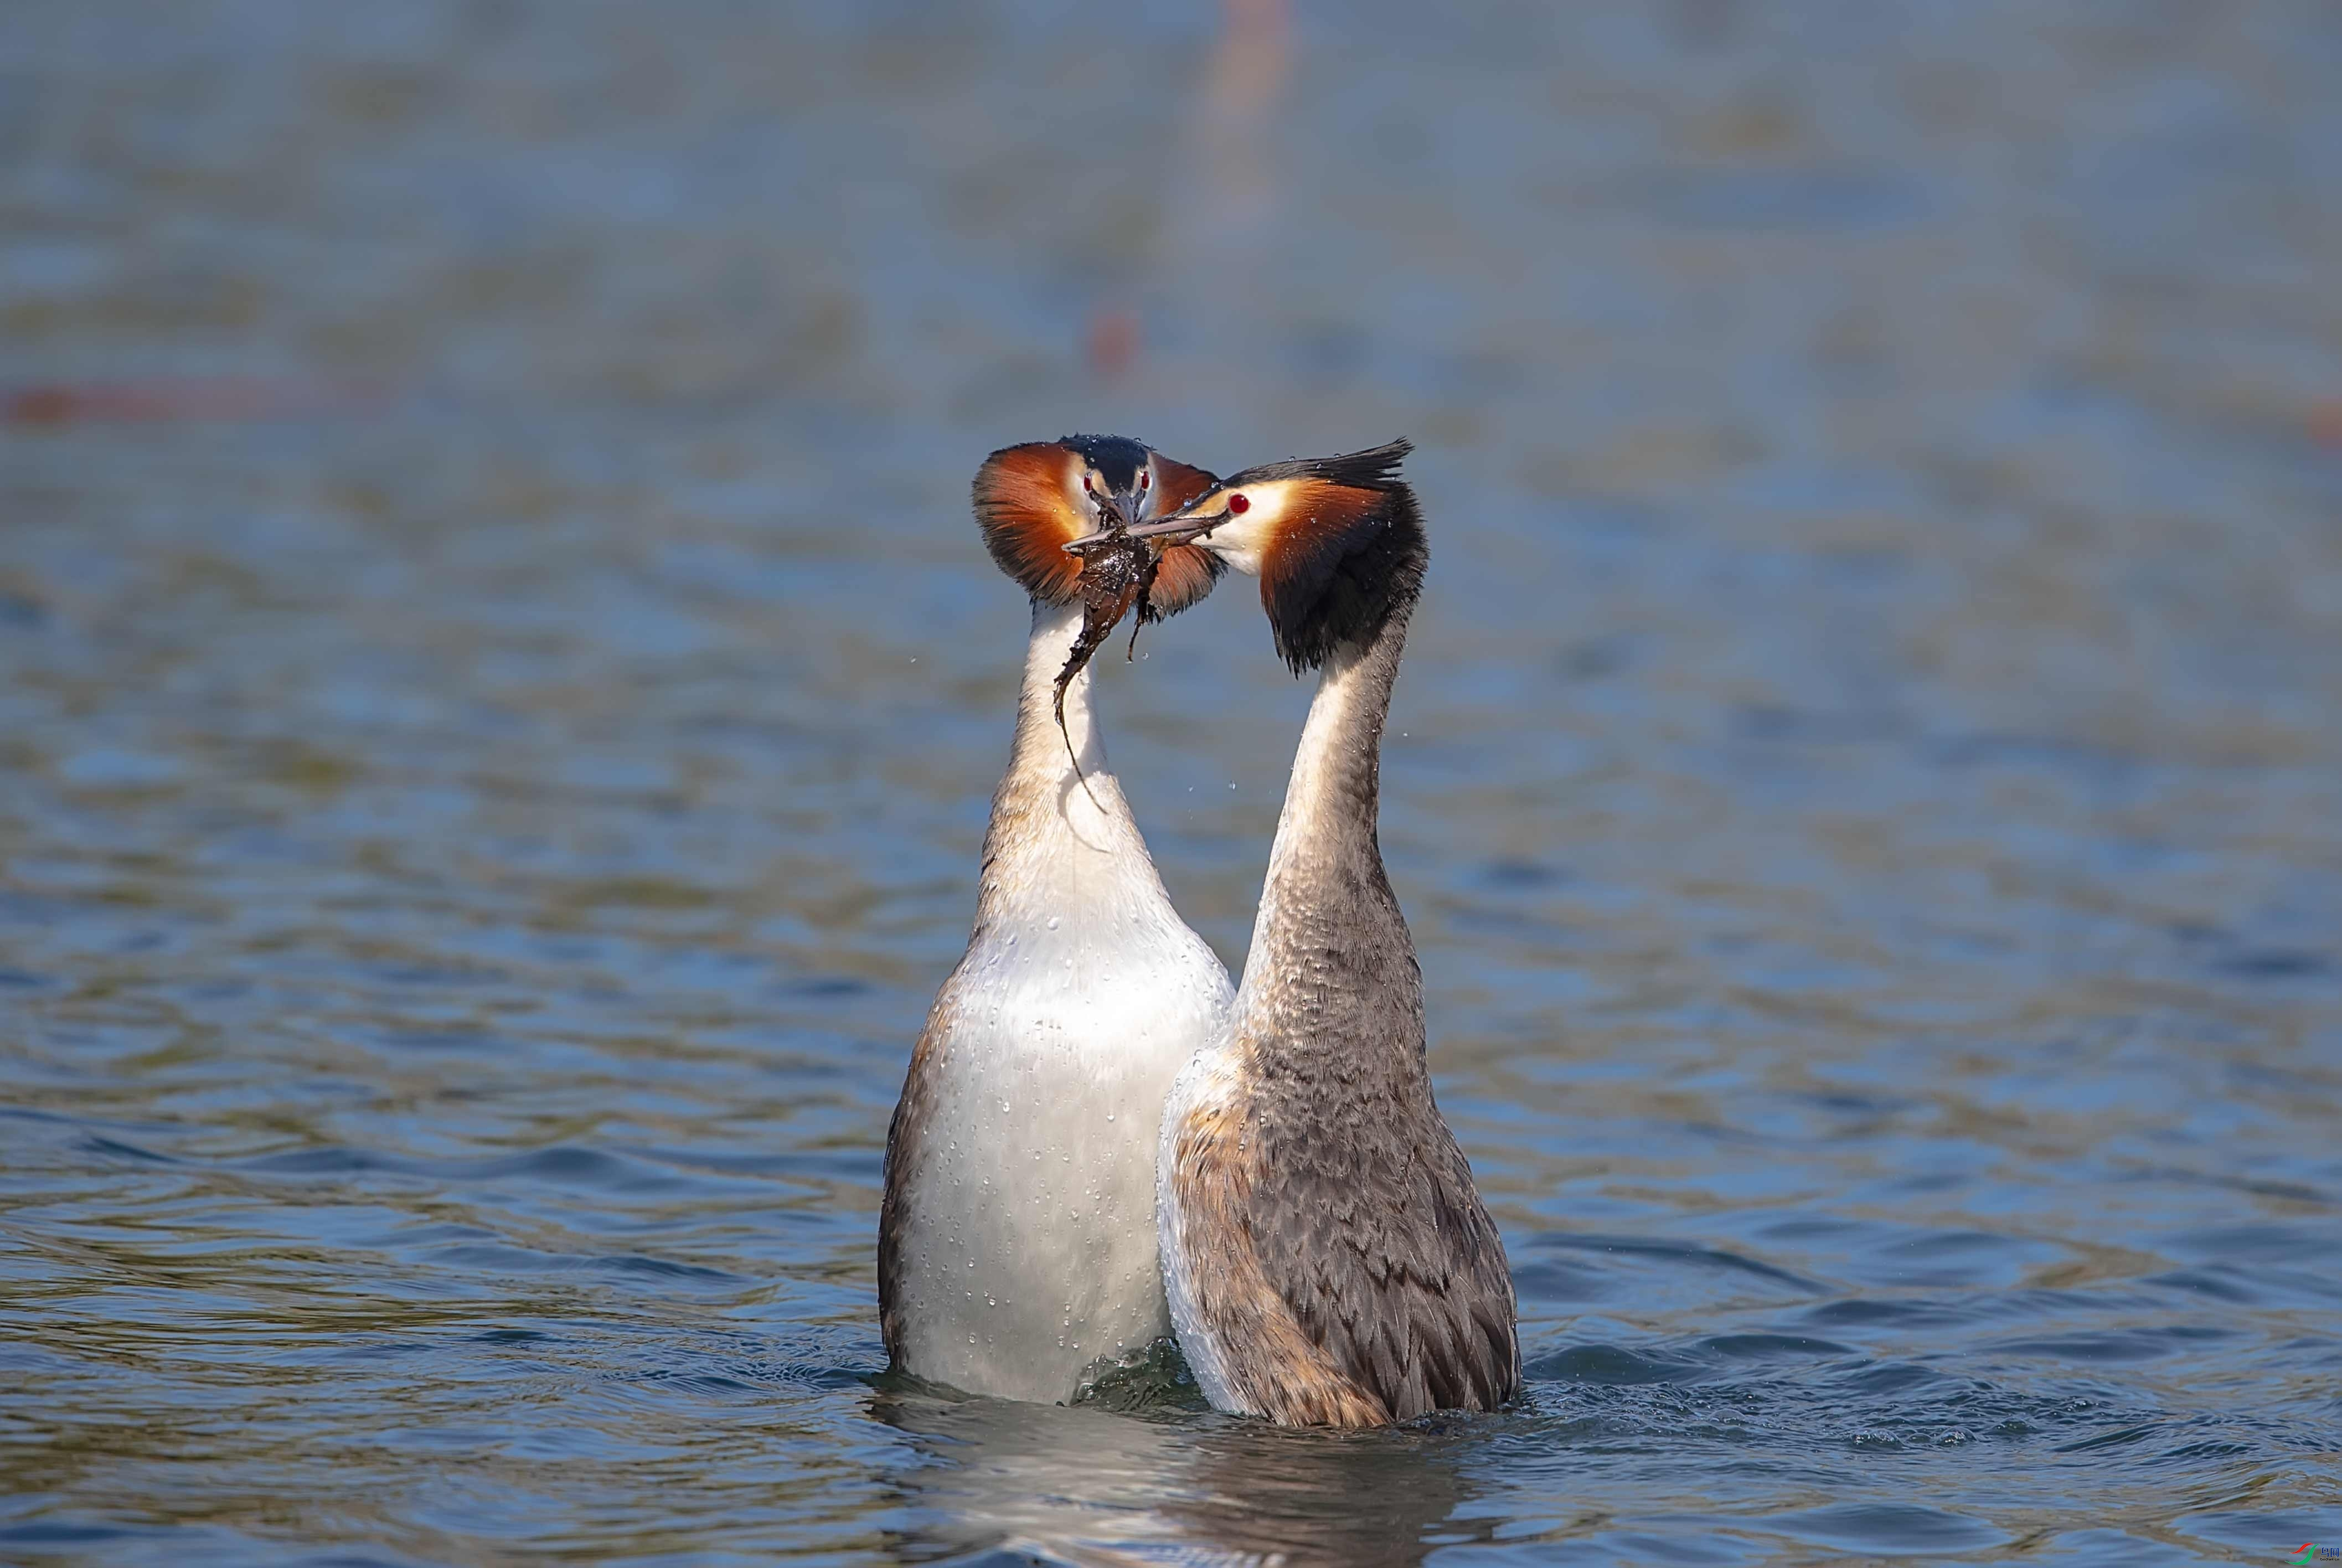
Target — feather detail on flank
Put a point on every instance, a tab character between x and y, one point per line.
1221	1294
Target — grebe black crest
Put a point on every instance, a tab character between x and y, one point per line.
1017	1237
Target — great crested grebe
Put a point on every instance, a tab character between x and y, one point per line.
1017	1237
1327	1258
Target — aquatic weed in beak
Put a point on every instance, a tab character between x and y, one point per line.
1118	573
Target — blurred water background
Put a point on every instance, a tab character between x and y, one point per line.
501	693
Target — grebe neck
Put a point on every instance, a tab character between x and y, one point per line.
1331	979
1049	822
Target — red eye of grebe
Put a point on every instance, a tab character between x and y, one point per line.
1239	503
1086	489
1143	479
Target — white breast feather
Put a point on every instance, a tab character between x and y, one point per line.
1031	1244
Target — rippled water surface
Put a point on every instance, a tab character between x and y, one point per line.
501	693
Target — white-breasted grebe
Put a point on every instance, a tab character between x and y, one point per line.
1017	1237
1328	1260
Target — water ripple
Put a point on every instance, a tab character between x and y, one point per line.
499	697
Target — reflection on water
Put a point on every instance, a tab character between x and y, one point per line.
501	693
1084	1485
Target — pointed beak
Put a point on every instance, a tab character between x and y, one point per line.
1176	529
1182	526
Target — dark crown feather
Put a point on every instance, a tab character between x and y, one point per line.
1375	468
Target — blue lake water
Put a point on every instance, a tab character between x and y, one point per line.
499	693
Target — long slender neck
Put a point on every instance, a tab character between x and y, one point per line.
1054	830
1331	979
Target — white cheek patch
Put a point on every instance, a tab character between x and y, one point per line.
1244	558
1239	542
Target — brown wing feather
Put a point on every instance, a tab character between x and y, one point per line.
1277	1369
1389	1262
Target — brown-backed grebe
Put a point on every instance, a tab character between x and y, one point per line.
1328	1260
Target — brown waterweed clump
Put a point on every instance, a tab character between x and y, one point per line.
1118	573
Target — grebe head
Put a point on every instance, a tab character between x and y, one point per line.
1337	543
1033	501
